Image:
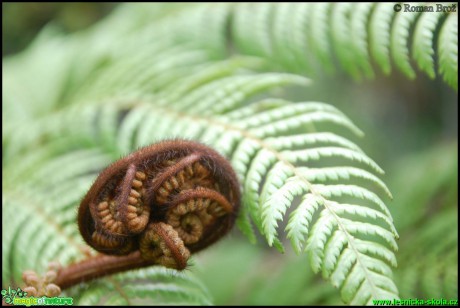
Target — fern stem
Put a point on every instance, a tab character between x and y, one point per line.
98	266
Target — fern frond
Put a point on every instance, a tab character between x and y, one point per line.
300	172
342	30
306	38
256	155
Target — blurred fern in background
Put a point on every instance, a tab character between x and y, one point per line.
249	80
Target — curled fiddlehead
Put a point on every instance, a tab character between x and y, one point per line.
166	200
157	205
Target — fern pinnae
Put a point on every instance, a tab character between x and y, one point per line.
300	220
214	71
257	40
275	179
155	289
107	127
386	288
244	154
166	74
296	122
96	294
385	256
139	287
128	127
280	199
345	262
131	76
241	38
356	228
199	99
156	76
332	251
207	17
320	231
226	142
343	173
68	166
310	139
345	227
299	16
298	156
319	32
36	220
448	50
9	262
283	110
147	129
208	136
15	171
237	94
363	213
35	233
245	225
422	49
259	167
354	260
400	42
380	23
252	111
358	27
340	25
358	192
283	30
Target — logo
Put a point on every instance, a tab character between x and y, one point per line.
18	297
434	7
10	295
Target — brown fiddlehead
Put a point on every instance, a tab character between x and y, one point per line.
157	205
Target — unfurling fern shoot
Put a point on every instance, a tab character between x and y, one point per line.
156	206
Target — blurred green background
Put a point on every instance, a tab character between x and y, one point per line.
22	21
411	131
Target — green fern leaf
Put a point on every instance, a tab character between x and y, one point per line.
448	50
252	28
380	35
300	220
423	50
358	28
400	41
341	26
319	33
